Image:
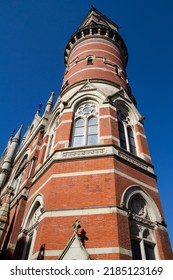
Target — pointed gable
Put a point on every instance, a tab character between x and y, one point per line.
74	250
94	17
87	87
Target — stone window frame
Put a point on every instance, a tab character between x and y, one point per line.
51	132
85	116
19	173
141	227
51	141
126	130
145	221
30	225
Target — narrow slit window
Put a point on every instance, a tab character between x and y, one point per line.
122	135
131	140
89	61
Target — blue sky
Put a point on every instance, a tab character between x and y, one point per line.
33	36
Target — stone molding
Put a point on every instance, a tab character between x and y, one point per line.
88	152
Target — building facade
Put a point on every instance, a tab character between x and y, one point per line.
81	184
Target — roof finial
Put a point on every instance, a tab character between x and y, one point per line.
76	225
50	102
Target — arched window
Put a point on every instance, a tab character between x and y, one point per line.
85	130
19	174
141	230
30	227
122	135
90	60
51	141
143	217
126	135
131	140
49	145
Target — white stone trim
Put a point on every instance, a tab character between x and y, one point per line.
82	212
73	63
144	156
108	117
138	182
95	172
67	110
93	251
140	134
65	143
109	137
84	173
140	124
89	69
95	49
35	148
62	122
109	250
108	105
91	41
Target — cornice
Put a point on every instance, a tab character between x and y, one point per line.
98	151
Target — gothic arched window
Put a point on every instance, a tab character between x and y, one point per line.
122	135
85	130
19	174
131	140
30	225
143	242
126	135
51	141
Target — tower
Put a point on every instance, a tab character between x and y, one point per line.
86	163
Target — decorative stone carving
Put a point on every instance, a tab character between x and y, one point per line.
138	206
123	115
86	109
134	229
76	225
132	160
90	152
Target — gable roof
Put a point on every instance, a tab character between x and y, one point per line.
74	250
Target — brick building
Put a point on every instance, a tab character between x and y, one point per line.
81	184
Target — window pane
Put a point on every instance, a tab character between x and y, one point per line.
79	131
92	139
122	136
90	60
78	137
136	250
149	251
92	131
29	241
93	121
131	140
78	141
79	122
